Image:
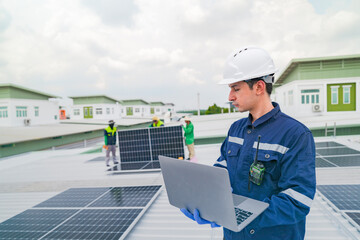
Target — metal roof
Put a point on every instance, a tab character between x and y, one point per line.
90	97
28	179
11	85
134	102
296	61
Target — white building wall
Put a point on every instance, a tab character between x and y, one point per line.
297	109
48	112
114	111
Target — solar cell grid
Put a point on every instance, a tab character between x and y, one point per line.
96	224
74	197
327	144
124	204
344	161
33	223
344	197
145	145
336	151
322	163
126	197
354	216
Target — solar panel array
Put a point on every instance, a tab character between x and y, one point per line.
140	148
345	198
333	154
82	213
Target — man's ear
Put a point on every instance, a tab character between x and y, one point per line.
260	87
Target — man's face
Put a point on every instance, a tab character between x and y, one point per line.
242	97
155	121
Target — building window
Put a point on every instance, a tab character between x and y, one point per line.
112	110
76	112
137	109
98	111
107	111
21	111
122	110
129	111
346	94
3	112
334	94
291	98
152	110
36	111
284	94
158	110
310	96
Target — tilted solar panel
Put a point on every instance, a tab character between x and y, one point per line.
140	148
111	214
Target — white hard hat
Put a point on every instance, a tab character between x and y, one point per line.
187	118
248	63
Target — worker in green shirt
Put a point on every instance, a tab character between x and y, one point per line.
189	137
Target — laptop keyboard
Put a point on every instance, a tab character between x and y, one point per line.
241	215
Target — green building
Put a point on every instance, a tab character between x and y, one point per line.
20	106
319	86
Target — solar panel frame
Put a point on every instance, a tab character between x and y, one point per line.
337	151
328	144
62	228
344	197
167	141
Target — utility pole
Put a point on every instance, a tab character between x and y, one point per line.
198	99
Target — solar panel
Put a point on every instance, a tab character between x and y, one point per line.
344	161
126	197
33	223
74	197
96	224
336	151
320	162
134	145
327	144
344	197
140	148
354	216
112	214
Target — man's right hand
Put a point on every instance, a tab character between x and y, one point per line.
196	217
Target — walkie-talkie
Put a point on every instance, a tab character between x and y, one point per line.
257	169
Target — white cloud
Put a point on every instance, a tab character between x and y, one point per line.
161	47
189	76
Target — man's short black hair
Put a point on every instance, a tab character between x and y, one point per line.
251	83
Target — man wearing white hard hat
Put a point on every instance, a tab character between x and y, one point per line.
284	150
189	137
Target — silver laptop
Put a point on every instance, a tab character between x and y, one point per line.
191	185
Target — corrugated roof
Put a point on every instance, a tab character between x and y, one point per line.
27	180
134	102
296	61
11	85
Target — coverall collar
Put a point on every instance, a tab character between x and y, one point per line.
265	117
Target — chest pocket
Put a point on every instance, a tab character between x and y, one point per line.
271	161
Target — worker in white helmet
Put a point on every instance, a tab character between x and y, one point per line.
284	148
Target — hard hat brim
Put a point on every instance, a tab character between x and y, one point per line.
227	81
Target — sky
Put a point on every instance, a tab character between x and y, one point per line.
161	50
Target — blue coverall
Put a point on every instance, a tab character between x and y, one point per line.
287	150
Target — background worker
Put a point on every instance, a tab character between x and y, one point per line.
286	152
189	137
156	122
110	142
